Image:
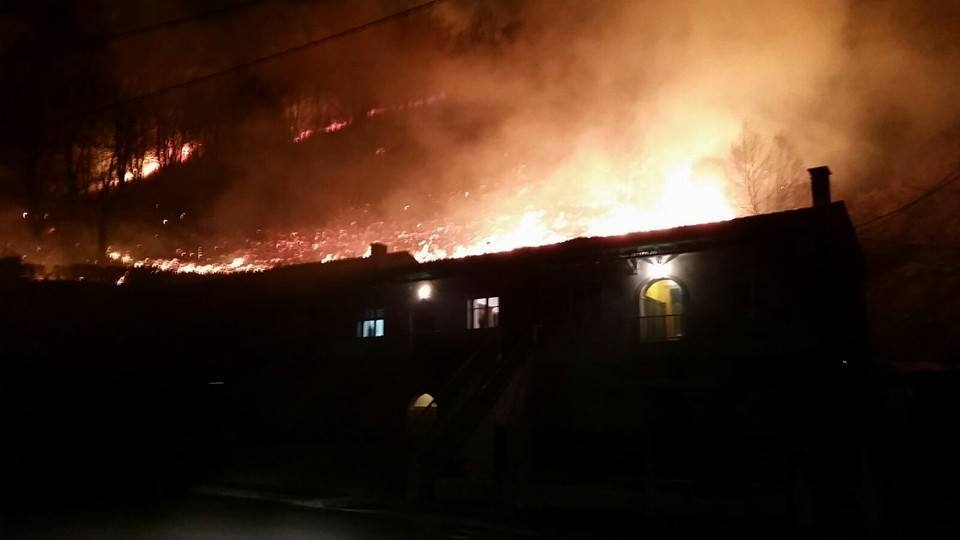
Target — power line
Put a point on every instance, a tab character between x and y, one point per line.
263	59
170	23
947	180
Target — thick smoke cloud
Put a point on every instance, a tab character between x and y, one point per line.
476	115
586	100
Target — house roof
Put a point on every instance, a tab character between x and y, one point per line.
830	222
827	223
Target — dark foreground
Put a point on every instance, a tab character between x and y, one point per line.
210	516
203	516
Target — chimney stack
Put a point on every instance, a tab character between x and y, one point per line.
820	186
378	250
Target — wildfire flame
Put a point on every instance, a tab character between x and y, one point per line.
338	124
595	191
150	164
238	264
684	197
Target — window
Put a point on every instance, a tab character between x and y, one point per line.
483	312
661	310
421	414
423	401
371	325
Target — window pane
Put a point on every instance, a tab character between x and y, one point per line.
676	299
378	331
368	328
662	310
668	293
483	312
424	401
479	316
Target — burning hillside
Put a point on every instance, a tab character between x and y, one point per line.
531	215
460	128
596	191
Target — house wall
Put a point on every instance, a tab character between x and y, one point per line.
769	324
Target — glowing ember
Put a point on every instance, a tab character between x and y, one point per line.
303	135
338	124
238	264
116	256
150	164
187	150
332	127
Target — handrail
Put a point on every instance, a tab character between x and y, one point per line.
471	396
453	381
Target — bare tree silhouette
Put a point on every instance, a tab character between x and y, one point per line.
767	175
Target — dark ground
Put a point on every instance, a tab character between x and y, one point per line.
199	516
206	516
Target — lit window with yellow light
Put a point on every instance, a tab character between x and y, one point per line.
662	310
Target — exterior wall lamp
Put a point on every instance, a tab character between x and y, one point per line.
658	266
424	291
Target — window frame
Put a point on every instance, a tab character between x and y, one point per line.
488	312
372	325
674	325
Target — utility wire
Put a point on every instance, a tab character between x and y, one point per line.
262	59
947	180
170	23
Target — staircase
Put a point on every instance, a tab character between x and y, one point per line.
468	397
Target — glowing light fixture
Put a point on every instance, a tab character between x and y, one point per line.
424	291
659	267
424	401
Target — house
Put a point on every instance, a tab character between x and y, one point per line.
706	359
713	361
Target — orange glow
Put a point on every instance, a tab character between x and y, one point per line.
668	174
187	150
338	124
532	218
238	264
303	135
149	166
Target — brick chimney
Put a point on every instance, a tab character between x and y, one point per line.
820	186
378	250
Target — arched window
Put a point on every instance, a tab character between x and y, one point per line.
423	401
421	414
662	310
